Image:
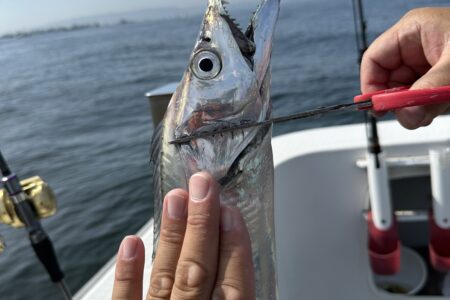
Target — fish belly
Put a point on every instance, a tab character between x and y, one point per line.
250	188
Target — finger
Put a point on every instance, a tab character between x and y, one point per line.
196	271
173	226
395	58
129	269
381	57
414	117
235	275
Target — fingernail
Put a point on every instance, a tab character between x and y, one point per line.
176	206
198	187
226	219
129	247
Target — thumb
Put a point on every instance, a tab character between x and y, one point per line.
414	117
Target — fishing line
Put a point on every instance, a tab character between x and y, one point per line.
64	289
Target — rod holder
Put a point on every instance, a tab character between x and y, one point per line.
383	241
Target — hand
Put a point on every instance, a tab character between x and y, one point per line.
204	250
415	51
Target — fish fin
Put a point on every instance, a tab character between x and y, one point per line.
155	158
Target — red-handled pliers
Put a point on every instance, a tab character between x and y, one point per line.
401	97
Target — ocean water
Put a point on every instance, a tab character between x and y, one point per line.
72	110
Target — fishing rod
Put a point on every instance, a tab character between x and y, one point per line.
373	142
360	28
40	241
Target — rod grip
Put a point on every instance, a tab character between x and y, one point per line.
46	254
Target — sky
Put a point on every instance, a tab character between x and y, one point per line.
16	15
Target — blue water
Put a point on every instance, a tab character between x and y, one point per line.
73	111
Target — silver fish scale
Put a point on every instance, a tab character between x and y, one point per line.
241	161
252	192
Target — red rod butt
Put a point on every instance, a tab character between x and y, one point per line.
384	248
439	246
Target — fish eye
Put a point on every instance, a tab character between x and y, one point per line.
206	65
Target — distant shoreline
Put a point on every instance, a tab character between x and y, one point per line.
21	34
102	21
114	19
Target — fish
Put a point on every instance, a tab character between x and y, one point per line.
227	81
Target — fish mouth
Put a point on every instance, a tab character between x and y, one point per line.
244	39
254	42
210	118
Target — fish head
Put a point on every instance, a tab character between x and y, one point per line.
226	82
226	70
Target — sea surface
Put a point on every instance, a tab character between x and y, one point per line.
72	110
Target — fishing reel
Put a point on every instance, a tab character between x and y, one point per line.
23	204
41	197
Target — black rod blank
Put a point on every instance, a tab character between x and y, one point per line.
4	166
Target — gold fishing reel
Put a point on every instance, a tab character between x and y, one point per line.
40	196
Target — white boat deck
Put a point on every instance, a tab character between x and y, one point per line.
320	196
101	284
